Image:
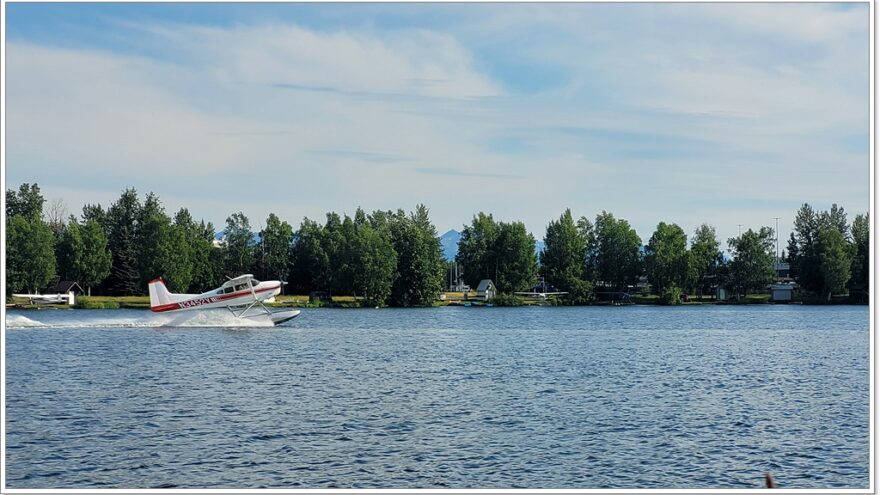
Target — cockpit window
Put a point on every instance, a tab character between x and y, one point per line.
255	282
241	287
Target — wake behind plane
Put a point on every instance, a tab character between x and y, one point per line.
243	296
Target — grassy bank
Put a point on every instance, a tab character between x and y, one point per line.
113	302
449	299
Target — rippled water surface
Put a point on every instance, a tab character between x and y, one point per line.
614	397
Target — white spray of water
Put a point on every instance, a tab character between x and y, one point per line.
220	318
194	319
19	321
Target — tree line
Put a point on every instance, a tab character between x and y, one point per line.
395	258
606	258
384	258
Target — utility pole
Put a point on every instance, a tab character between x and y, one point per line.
776	235
740	228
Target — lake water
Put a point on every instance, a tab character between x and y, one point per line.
595	397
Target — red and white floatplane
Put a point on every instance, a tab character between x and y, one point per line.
243	296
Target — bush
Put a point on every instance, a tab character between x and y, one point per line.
350	304
86	303
580	293
670	296
507	300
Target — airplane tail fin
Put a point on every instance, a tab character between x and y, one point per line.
159	295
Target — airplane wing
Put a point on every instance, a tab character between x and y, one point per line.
43	298
241	278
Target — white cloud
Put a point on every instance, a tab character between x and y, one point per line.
658	106
406	62
243	117
799	22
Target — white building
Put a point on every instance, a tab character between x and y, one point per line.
486	289
781	292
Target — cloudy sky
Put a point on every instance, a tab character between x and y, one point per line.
722	113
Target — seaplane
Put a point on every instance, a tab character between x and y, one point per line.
540	296
243	296
68	298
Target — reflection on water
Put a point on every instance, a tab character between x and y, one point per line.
694	397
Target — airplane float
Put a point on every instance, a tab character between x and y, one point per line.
243	296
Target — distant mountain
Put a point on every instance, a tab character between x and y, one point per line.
449	242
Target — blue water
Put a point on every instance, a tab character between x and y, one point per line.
597	397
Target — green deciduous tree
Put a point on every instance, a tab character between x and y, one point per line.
835	218
805	253
27	201
375	263
94	264
861	266
238	245
309	263
618	256
95	212
66	246
333	243
706	257
206	272
274	249
83	255
30	242
835	260
591	262
502	252
752	265
163	248
517	263
151	233
30	254
178	259
803	256
420	264
476	249
667	260
564	256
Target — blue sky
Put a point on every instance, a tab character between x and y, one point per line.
721	113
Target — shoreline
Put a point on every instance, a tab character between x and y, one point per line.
350	302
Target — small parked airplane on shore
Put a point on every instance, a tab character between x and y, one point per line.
541	296
239	295
47	298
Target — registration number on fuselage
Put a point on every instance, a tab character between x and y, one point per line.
198	302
